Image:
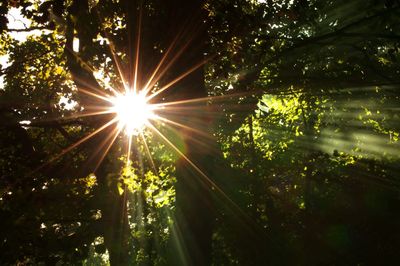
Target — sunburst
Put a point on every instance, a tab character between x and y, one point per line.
133	111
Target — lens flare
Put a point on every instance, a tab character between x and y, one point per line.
133	111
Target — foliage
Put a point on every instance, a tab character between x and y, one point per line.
302	165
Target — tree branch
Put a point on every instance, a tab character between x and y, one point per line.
28	29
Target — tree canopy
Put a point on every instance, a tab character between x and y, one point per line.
202	132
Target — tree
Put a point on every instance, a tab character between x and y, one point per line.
280	130
318	66
88	23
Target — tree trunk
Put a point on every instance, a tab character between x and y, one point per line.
115	224
191	237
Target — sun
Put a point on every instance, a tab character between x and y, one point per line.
133	111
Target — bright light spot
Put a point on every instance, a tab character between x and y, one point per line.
133	111
75	45
4	64
25	122
66	103
17	21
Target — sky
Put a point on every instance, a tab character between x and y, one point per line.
15	21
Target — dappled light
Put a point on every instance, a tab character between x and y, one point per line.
204	132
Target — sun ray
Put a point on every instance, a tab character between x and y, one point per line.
65	119
86	138
137	52
148	152
199	132
104	112
128	160
149	83
198	170
180	109
213	186
170	63
183	75
132	84
115	59
116	130
104	98
76	144
183	31
202	99
86	114
90	86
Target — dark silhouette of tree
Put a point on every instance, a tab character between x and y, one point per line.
285	132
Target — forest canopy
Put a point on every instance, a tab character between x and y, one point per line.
202	132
